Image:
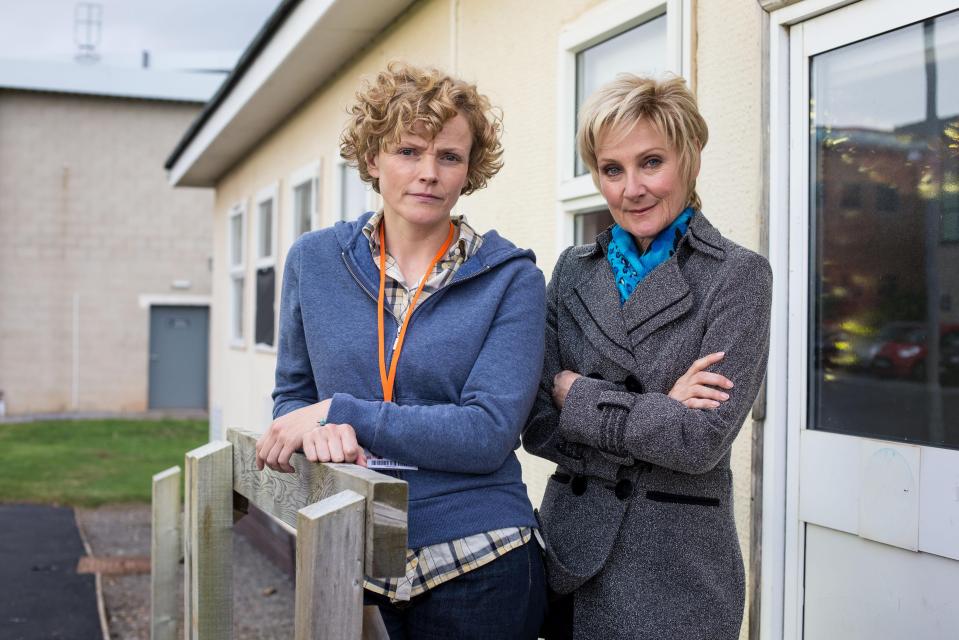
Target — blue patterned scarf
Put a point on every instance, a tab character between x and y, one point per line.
630	265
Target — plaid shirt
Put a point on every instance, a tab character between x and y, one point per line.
433	565
399	293
439	563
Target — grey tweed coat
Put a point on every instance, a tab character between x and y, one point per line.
638	518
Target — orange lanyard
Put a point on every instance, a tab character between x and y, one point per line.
387	380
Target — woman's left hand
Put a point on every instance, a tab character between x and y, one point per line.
562	382
701	389
333	443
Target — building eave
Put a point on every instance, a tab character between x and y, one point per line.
302	45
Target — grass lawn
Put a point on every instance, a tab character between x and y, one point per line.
91	462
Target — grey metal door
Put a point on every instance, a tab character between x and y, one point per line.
178	357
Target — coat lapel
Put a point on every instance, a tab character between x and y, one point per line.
594	304
662	297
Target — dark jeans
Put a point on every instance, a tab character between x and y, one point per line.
501	600
559	617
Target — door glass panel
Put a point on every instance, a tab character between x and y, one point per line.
884	201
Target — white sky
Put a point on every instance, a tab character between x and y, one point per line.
44	29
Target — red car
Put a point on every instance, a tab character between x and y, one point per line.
903	350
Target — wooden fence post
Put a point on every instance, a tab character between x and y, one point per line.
164	554
329	568
283	494
208	543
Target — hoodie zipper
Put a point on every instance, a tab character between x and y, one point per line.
346	263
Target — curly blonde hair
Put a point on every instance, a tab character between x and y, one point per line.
667	104
405	97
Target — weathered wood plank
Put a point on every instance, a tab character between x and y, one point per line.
283	494
373	627
208	542
187	551
164	553
329	568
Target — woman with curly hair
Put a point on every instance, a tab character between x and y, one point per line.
406	335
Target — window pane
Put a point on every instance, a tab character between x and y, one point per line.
302	208
353	193
236	240
265	248
589	225
236	303
265	312
884	360
641	50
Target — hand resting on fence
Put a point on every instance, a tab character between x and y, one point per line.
306	430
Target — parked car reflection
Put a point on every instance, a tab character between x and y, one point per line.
904	347
850	350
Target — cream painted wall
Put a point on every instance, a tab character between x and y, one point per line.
510	50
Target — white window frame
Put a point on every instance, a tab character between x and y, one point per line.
373	199
236	272
309	173
578	194
268	193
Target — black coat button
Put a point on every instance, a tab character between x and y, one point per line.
624	489
578	485
633	385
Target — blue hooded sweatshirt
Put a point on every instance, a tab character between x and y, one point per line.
465	382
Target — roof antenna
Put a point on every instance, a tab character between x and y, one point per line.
87	27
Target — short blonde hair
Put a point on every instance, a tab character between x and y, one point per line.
668	105
405	97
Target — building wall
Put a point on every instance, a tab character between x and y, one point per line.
88	223
510	50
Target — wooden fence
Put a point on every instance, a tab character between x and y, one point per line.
348	521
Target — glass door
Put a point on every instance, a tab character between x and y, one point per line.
875	169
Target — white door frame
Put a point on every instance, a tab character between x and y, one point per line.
782	531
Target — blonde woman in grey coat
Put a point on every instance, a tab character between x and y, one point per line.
656	345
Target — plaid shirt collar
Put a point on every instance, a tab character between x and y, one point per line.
399	292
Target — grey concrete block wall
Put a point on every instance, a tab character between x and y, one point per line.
88	225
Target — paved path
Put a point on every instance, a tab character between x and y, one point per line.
41	595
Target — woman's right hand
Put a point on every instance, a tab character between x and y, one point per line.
696	388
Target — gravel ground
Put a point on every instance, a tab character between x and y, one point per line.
262	594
